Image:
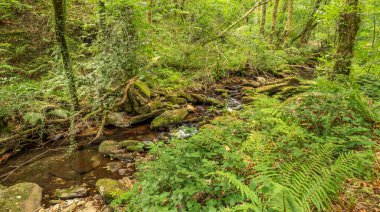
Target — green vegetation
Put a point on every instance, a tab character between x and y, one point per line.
270	156
307	74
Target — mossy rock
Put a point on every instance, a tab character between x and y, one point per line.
23	197
290	91
143	88
271	89
187	96
151	106
136	148
127	143
169	117
109	147
110	189
117	119
177	100
248	99
202	99
71	193
145	117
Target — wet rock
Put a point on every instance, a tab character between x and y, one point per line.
110	189
117	119
113	166
169	117
122	171
71	193
83	162
24	197
221	90
109	147
187	96
261	80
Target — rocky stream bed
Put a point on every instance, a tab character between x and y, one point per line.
49	179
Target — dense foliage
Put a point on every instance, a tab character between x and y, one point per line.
275	154
270	156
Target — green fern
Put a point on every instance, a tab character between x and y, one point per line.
244	190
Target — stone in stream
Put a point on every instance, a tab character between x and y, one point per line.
25	197
117	119
109	147
71	193
169	117
110	189
83	162
121	149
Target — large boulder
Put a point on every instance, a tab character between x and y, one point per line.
110	189
169	117
24	197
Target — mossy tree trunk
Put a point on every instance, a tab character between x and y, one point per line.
263	18
289	19
59	11
274	18
348	27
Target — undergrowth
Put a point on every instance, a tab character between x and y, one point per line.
271	156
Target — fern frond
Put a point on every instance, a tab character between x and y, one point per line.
244	189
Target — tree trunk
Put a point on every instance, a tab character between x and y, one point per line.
263	18
150	11
310	25
59	11
289	20
274	18
348	27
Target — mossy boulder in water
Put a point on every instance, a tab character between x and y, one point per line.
169	117
24	197
110	189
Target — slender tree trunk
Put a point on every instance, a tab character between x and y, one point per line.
289	20
102	15
263	18
274	18
374	25
348	27
150	11
59	10
310	25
